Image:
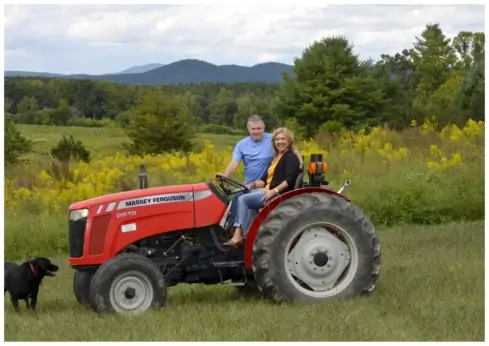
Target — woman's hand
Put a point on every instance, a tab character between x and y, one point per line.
270	194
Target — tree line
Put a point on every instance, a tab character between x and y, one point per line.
60	101
332	89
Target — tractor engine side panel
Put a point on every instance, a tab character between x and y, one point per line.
210	205
132	220
134	229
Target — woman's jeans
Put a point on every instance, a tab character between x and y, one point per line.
242	205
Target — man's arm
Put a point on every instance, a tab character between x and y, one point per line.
237	156
231	168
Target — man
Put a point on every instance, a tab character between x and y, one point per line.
256	152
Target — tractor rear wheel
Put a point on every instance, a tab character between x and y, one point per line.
128	283
316	247
81	286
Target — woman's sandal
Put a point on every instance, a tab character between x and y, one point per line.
233	243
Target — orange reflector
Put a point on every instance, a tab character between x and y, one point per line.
313	167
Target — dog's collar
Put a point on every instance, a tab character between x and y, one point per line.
34	271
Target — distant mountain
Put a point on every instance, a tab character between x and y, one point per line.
31	74
141	69
184	72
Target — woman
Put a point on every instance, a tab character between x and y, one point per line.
279	178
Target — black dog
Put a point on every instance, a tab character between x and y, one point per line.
22	281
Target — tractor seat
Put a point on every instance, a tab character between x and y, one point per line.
299	181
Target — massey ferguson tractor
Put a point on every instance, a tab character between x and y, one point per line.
311	244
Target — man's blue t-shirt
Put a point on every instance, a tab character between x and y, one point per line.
256	156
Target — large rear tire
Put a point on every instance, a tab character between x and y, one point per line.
128	283
316	247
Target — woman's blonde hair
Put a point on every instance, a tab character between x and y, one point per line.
288	134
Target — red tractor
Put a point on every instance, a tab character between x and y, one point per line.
310	244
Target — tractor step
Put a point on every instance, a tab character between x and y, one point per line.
234	284
233	264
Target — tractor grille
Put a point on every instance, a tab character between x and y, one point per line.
76	237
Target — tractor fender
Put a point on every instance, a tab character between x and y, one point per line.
267	209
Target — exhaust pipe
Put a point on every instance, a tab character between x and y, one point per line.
143	177
345	185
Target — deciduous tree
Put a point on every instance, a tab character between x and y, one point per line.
161	123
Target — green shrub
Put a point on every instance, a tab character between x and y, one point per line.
68	148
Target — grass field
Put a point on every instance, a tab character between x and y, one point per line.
431	287
101	141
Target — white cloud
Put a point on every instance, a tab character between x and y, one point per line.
105	38
265	57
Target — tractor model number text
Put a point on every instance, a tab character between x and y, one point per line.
126	214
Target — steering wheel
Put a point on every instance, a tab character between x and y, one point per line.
222	179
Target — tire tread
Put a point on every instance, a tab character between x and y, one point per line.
266	276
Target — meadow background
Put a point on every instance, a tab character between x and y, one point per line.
408	131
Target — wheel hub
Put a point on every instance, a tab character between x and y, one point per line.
131	292
318	260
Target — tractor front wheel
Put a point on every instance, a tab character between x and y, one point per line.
316	247
81	286
128	283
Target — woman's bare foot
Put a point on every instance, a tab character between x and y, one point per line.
232	231
237	238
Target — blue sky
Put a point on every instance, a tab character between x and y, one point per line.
98	39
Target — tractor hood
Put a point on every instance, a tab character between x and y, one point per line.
115	198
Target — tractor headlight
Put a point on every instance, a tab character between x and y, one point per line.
78	214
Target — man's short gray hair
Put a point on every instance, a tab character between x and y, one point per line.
255	119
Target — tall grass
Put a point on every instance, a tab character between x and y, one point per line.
419	176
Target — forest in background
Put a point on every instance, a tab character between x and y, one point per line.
332	89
